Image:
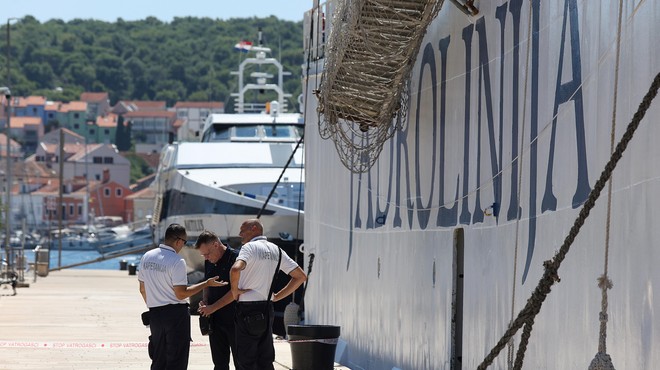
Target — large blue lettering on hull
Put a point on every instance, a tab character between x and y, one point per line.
405	190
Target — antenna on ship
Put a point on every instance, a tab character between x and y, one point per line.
262	84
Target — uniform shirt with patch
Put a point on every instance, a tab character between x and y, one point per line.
161	269
260	257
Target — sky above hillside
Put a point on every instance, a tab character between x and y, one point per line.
164	10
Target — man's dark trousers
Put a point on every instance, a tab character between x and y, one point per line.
170	337
254	352
221	338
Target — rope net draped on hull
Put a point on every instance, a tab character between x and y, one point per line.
363	96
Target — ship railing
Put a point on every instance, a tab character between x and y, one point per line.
316	26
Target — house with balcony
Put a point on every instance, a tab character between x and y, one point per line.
73	116
81	159
193	115
105	128
98	104
150	130
108	198
97	159
27	130
82	201
30	106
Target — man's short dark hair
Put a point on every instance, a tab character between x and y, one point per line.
175	231
206	237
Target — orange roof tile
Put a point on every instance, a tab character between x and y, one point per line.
149	104
20	122
109	120
52	106
30	100
74	106
94	96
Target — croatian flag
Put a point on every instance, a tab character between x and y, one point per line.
243	46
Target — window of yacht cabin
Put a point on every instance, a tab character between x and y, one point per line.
246	131
278	131
219	133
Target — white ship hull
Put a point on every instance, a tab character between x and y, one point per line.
205	194
391	244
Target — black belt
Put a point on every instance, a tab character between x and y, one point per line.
252	303
168	306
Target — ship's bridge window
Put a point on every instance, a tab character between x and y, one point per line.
220	132
281	131
246	131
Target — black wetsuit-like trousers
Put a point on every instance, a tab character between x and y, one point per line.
254	352
170	337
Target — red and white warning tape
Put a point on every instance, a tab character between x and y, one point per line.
324	341
91	345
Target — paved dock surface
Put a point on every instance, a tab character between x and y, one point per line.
87	319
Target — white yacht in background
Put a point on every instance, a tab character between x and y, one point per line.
429	245
248	164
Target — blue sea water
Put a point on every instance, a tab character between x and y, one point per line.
71	257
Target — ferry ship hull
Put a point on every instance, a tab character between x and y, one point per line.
425	259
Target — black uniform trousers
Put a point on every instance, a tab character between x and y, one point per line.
254	352
222	338
170	337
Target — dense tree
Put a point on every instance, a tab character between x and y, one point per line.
120	134
186	59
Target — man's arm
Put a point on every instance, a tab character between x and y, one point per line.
184	291
235	276
143	291
298	277
225	300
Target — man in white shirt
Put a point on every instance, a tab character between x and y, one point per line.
251	279
164	288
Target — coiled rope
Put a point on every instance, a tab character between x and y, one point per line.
550	275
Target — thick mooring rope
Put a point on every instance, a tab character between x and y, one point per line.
550	275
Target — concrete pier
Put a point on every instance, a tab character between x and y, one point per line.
87	319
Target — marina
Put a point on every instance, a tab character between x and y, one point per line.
468	185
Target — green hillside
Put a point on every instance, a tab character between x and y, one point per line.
186	59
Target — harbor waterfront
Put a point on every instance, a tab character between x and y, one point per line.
74	257
88	319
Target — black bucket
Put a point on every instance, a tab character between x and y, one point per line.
313	346
132	269
123	265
